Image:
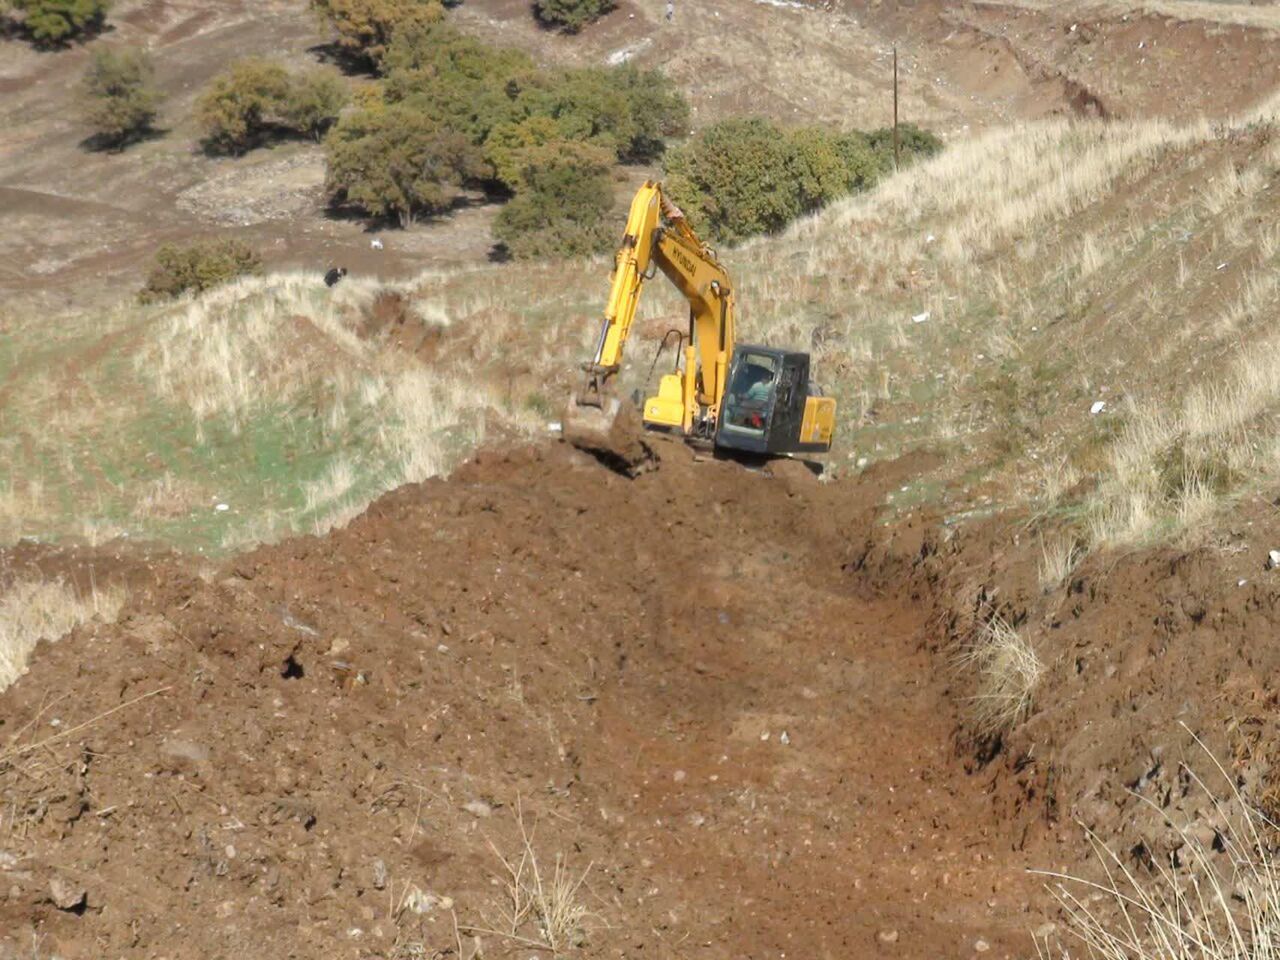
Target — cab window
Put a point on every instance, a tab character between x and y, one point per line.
750	393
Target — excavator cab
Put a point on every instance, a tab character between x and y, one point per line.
770	406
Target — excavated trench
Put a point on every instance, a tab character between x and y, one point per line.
681	689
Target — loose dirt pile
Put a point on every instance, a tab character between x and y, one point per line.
678	684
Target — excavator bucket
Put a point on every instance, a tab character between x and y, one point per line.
608	429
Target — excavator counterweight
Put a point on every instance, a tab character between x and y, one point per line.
749	398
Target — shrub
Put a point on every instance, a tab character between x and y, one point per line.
508	142
743	177
313	102
466	85
571	15
622	109
198	267
399	161
365	27
241	103
658	111
562	203
120	99
913	143
500	100
52	22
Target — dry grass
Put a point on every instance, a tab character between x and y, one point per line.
254	341
35	610
542	907
1058	558
282	355
168	496
1216	902
1007	671
1171	470
1044	294
1012	242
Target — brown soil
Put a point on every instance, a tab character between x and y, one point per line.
679	678
1156	713
725	691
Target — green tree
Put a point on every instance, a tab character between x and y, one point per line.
621	109
365	28
241	103
743	177
658	111
399	162
119	94
468	86
313	102
500	99
53	22
862	165
730	180
571	15
562	203
507	143
198	267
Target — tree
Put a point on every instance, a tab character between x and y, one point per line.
241	103
626	111
743	177
730	182
500	99
467	85
198	267
313	102
562	203
365	27
53	22
507	144
571	15
862	165
658	111
120	98
399	162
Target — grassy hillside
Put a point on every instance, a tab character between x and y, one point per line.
250	412
980	305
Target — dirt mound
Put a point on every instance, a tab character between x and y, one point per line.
322	749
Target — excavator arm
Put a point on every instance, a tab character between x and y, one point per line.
658	237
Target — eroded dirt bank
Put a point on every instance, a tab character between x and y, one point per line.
677	679
1154	723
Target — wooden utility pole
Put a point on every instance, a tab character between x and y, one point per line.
895	107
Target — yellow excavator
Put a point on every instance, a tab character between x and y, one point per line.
741	397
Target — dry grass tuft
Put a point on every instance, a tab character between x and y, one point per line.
549	903
35	610
1058	558
1218	900
1007	671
